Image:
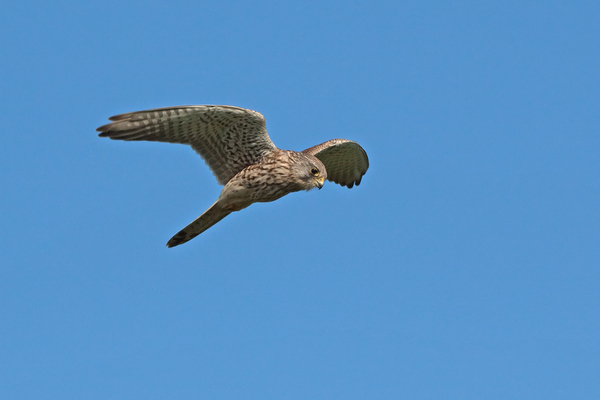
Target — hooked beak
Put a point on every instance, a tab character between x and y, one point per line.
320	182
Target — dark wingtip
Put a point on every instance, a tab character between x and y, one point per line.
104	129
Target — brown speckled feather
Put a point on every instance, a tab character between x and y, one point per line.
346	161
228	138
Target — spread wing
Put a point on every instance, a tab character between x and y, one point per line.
228	138
346	162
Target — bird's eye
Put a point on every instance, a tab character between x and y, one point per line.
314	171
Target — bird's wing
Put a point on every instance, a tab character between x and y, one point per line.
228	138
346	161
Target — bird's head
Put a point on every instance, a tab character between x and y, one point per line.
311	171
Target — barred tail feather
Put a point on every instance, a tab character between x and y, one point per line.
210	217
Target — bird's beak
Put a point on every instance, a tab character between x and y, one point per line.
320	181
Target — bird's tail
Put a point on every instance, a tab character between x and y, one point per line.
210	217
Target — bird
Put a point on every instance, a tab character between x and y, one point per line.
234	143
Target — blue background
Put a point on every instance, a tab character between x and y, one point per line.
465	266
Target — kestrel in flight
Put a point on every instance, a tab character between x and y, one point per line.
235	145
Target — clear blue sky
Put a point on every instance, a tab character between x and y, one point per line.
465	266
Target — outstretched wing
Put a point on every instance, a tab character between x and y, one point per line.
346	162
228	138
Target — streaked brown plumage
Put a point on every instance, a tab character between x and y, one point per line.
235	145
